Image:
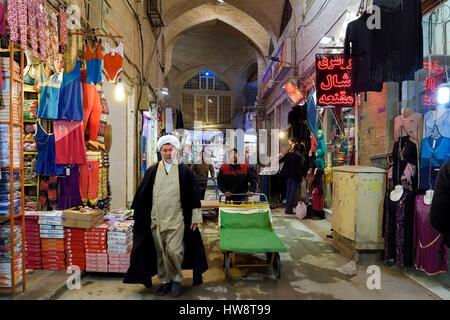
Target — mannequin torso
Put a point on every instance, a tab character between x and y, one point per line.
397	193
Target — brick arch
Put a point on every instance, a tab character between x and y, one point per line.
237	19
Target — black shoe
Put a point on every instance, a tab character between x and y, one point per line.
164	289
176	289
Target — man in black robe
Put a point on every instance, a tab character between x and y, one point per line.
146	255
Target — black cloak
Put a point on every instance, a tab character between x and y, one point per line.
143	264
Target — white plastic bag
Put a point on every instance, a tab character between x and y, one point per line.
300	210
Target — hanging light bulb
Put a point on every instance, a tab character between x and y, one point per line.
443	94
281	135
119	92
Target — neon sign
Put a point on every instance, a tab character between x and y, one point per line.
435	74
334	81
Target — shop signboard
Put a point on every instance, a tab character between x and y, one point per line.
333	78
277	68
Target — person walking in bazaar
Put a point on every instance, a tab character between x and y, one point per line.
166	238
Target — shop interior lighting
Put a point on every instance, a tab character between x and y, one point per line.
443	94
221	1
119	91
326	40
165	91
282	135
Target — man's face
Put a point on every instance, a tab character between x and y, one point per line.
168	153
233	156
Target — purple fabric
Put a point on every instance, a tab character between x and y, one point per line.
433	258
69	189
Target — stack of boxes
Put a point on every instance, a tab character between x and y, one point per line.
97	249
52	239
120	242
33	249
6	257
75	247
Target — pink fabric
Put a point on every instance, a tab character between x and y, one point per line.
411	125
42	30
2	19
33	11
429	259
13	19
63	30
23	23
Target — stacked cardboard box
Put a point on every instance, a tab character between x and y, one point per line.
120	242
6	257
33	248
96	243
75	247
52	239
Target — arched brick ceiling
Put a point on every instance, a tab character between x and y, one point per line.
213	45
266	12
231	15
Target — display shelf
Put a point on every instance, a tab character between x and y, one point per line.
30	152
30	185
30	121
15	218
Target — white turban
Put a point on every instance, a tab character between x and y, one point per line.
168	139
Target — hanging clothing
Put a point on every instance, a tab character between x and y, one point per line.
398	224
33	12
42	27
312	115
93	61
54	58
180	122
409	123
113	61
63	30
70	105
103	122
442	122
17	21
169	120
69	189
89	173
69	142
238	120
2	19
50	88
431	254
398	45
297	120
92	107
144	256
321	151
46	164
404	169
48	193
360	37
433	155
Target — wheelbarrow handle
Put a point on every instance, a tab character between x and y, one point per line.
244	194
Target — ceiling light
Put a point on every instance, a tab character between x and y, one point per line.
282	135
221	1
326	40
165	91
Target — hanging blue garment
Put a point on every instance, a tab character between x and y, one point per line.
432	159
46	164
312	115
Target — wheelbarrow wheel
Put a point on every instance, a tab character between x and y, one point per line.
228	267
277	265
